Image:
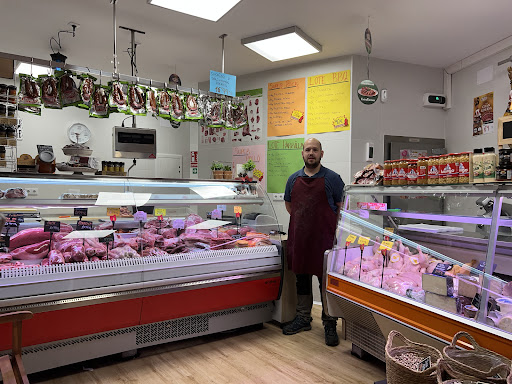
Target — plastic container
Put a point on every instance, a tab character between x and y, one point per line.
433	170
422	171
412	172
388	170
489	161
478	165
464	167
402	172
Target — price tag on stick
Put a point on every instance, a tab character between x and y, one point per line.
351	238
79	212
52	226
83	225
386	245
363	240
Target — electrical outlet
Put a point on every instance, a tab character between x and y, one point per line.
278	196
32	191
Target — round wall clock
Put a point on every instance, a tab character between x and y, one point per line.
79	133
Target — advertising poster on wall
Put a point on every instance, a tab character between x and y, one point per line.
254	105
284	157
286	107
213	136
483	114
329	102
255	153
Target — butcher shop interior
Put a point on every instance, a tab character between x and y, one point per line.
255	192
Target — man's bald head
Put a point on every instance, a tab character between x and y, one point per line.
313	141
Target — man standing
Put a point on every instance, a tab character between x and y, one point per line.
313	200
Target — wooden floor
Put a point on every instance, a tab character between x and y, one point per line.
256	355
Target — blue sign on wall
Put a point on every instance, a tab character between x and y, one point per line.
222	83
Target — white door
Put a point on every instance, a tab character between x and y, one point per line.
169	166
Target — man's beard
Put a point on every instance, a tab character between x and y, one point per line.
312	165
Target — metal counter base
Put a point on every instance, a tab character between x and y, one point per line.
63	352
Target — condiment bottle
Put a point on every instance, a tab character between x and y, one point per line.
121	167
116	166
489	160
478	166
422	171
388	169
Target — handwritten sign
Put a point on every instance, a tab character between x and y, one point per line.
113	211
221	207
372	206
83	225
160	212
107	239
222	83
351	238
216	214
386	245
178	224
140	216
80	212
283	158
237	209
285	97
363	241
390	229
243	154
329	102
52	226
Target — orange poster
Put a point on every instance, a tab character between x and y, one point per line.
286	107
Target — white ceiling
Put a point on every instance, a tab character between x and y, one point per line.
435	33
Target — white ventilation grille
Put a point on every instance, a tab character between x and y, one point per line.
37	270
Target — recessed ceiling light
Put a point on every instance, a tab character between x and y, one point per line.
282	44
205	9
36	70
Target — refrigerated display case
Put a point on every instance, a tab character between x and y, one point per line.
428	275
180	275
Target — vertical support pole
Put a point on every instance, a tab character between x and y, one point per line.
222	37
115	34
133	65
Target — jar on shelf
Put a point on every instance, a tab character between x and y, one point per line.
11	111
443	169
433	170
3	110
478	165
394	172
422	171
11	91
2	152
504	156
103	166
388	170
110	166
452	169
412	172
464	167
10	132
501	174
3	131
402	172
121	167
489	162
116	166
3	92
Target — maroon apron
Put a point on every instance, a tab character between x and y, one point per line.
312	226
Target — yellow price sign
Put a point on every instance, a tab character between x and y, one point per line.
363	240
160	212
389	229
351	238
237	209
386	245
113	211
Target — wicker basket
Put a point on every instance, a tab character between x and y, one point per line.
478	362
446	375
396	373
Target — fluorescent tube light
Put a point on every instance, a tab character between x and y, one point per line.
205	9
282	44
36	69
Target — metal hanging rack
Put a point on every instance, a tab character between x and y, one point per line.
113	76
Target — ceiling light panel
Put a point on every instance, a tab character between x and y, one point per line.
283	44
205	9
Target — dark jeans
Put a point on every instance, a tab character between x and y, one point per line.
305	298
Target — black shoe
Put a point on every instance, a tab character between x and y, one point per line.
297	325
331	336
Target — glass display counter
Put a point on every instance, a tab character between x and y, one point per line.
132	262
433	259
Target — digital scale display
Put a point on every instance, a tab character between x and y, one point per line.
135	138
135	143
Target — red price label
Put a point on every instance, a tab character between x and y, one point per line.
237	214
113	218
347	243
160	217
